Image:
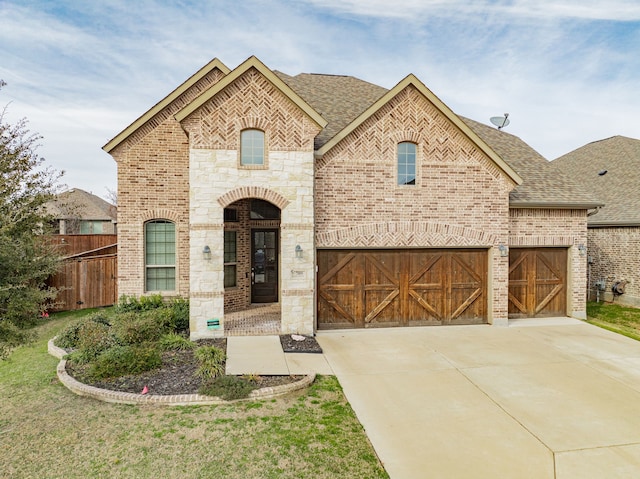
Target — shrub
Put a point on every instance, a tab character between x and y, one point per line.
175	342
93	339
212	362
180	309
128	359
228	387
70	336
137	327
144	303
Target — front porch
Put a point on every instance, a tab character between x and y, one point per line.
257	320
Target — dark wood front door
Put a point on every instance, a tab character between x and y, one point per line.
264	266
401	287
537	282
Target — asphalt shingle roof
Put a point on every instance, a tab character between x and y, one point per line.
341	99
619	188
77	203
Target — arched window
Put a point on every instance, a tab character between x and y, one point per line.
252	147
406	163
160	255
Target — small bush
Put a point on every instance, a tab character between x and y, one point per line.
93	339
70	336
228	387
212	362
144	303
180	320
123	360
175	342
138	327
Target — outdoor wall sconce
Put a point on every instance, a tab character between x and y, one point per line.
582	249
504	251
206	253
298	251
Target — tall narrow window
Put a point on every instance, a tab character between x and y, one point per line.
230	261
160	255
252	147
406	163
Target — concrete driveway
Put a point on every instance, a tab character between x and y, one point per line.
541	399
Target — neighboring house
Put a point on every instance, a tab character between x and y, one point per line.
78	212
347	204
610	168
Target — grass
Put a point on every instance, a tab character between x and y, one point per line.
48	432
619	319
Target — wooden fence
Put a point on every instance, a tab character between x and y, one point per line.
89	278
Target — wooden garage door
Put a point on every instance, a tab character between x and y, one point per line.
537	282
372	288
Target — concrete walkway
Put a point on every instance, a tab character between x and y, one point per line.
543	399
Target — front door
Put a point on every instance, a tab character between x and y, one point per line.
264	266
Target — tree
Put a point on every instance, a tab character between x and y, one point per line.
27	258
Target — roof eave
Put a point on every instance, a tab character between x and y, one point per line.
554	205
251	62
440	105
128	131
613	224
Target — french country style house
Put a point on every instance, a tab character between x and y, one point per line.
340	204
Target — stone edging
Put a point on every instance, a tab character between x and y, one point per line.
119	397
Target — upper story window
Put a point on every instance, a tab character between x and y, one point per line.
252	147
160	255
406	163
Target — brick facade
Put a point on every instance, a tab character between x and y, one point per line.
187	172
615	256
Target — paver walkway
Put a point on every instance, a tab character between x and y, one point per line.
550	399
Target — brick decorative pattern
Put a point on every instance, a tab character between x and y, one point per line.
251	102
253	191
615	252
550	227
153	183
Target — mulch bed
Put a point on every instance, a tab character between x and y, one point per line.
177	374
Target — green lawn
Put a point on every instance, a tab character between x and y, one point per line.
616	318
48	432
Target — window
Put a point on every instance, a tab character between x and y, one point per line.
90	227
406	163
263	210
160	255
229	259
230	214
252	147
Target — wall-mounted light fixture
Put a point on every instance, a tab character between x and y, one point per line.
206	253
299	251
504	251
582	249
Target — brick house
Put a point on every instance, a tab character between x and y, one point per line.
610	168
79	212
343	204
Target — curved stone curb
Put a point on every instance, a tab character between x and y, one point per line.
119	397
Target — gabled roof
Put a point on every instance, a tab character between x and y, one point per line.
437	103
251	62
79	204
158	107
542	186
619	188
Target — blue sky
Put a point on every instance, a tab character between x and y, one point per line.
567	71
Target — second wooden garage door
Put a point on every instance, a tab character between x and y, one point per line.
369	288
537	282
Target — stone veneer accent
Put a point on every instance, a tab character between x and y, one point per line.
615	252
461	198
553	227
218	180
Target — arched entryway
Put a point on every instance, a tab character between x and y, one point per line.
252	267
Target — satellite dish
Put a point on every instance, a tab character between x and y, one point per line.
500	121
